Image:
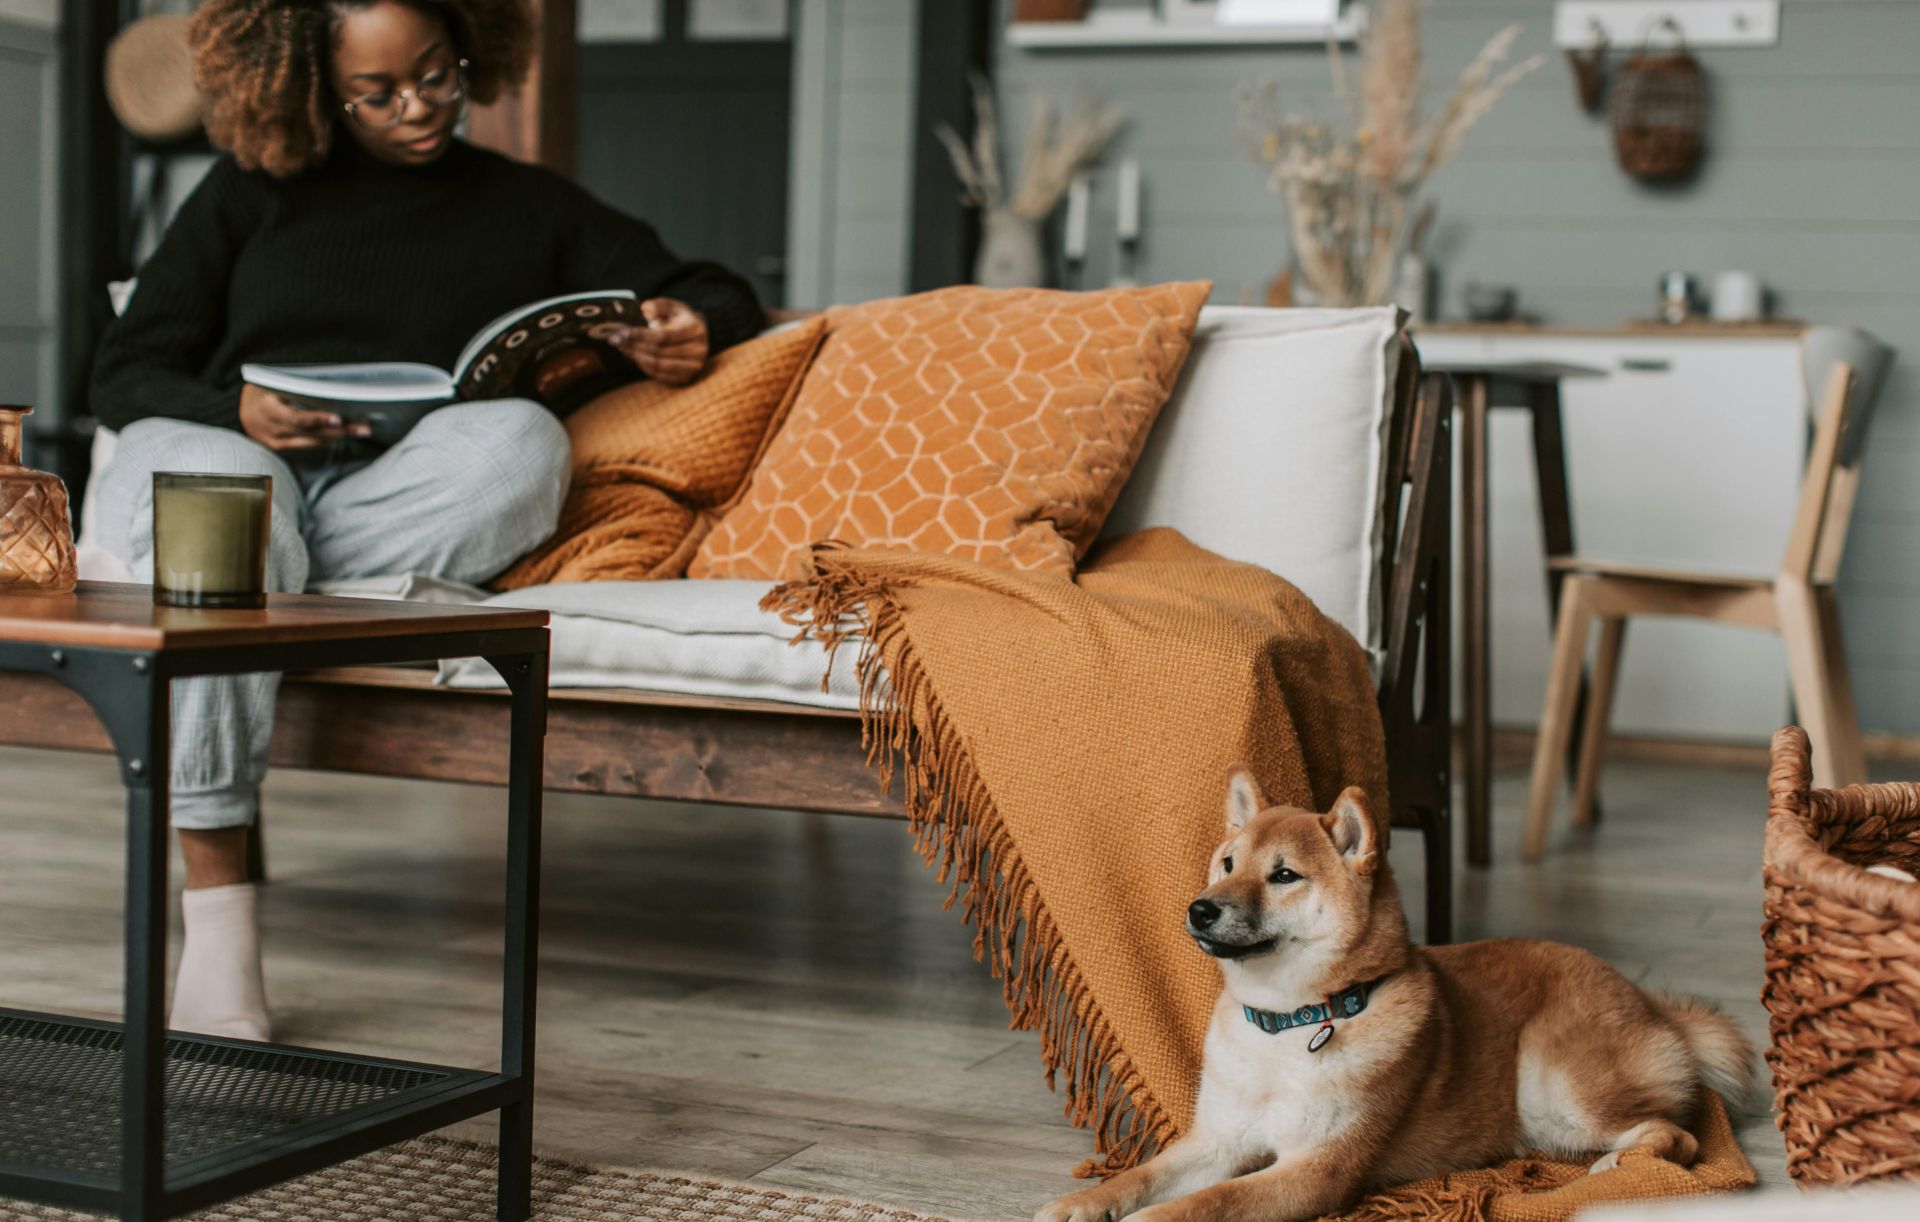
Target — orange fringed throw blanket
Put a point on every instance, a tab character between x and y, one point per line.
1540	1189
1063	745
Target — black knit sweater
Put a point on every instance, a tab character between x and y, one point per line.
361	261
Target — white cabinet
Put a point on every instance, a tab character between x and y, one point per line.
1688	455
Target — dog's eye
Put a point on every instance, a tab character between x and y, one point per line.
1283	875
1226	864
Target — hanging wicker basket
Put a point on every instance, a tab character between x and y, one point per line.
1658	108
1843	973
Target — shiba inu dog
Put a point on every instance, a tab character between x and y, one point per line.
1341	1058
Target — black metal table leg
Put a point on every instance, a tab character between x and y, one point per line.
145	767
526	676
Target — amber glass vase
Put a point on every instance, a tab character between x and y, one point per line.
36	532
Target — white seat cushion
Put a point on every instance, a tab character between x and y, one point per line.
701	638
1272	451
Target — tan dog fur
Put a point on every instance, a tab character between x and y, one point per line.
1464	1056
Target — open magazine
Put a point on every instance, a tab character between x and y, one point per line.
555	351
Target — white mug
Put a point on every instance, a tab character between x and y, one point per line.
1737	297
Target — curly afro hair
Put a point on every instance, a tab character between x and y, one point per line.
262	65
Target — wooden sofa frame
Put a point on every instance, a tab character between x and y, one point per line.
392	722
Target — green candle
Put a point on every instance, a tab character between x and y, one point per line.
210	539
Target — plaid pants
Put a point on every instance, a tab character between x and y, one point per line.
471	489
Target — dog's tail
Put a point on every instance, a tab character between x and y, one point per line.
1725	1057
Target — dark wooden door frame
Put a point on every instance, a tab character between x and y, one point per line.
954	42
95	190
538	123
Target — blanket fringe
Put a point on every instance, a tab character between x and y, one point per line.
1466	1197
959	833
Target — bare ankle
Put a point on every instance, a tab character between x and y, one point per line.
215	857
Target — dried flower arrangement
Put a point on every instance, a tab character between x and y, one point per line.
1351	188
1052	157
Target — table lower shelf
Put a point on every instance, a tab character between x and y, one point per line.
237	1114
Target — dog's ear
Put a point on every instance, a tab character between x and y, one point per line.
1350	825
1244	799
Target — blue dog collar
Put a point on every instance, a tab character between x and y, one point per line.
1343	1006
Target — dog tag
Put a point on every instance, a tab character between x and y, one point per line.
1320	1039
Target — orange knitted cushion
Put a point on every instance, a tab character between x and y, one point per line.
996	425
652	463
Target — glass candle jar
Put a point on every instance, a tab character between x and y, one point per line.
210	539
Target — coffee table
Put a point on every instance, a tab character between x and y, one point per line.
132	1118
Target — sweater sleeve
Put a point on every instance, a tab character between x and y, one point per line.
153	359
608	249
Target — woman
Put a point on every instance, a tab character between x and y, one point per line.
349	222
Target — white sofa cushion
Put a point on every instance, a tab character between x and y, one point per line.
1271	451
701	638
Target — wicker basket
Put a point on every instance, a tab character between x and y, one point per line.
1658	109
1843	973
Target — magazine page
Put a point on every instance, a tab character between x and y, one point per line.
554	351
367	382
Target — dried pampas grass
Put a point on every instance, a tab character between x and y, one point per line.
1351	187
1058	147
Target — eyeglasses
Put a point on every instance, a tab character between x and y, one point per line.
377	112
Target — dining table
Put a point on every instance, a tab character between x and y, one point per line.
1483	384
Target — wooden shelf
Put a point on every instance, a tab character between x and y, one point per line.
1147	35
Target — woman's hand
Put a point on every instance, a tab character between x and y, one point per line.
279	425
672	347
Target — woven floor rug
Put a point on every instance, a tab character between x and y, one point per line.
437	1180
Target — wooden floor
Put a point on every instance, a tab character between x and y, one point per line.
770	996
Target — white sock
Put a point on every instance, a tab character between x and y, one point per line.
219	990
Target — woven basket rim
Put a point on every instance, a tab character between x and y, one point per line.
1792	844
1663	60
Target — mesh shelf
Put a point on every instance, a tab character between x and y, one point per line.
60	1093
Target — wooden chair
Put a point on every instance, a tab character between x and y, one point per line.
1797	602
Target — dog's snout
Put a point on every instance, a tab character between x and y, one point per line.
1201	914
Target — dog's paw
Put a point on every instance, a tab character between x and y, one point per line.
1607	1162
1090	1206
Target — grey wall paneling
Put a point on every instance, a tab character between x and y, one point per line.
852	150
29	204
1811	181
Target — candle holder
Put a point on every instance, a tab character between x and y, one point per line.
210	539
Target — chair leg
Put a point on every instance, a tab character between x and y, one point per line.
1593	745
1436	835
1556	715
1849	747
1818	692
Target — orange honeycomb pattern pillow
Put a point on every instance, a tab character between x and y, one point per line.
653	464
998	425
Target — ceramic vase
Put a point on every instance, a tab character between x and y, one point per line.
1013	252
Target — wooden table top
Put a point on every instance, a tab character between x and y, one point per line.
114	615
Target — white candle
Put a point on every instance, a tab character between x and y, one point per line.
1079	198
1128	226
